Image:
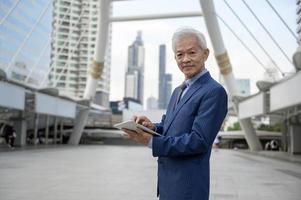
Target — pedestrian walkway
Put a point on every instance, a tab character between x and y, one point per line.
110	172
281	155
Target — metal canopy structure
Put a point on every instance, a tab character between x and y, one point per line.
220	53
16	97
278	98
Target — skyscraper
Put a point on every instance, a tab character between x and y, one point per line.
75	30
134	77
298	11
243	86
152	103
165	80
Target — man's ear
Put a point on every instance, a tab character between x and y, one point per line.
206	53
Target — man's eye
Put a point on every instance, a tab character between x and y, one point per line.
192	52
179	55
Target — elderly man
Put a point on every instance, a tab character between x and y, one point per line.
193	118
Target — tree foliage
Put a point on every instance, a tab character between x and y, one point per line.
275	128
234	127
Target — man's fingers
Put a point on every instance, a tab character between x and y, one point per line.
125	135
132	136
141	119
134	118
130	133
148	124
139	131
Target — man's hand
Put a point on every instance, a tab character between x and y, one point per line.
144	121
139	136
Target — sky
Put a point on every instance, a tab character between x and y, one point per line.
16	28
156	32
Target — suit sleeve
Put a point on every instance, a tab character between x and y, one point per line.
206	125
159	126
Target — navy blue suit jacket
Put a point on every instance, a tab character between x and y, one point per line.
188	133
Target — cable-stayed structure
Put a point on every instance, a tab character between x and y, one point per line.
242	42
22	33
60	51
282	20
254	37
268	32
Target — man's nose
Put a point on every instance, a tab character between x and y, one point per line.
186	58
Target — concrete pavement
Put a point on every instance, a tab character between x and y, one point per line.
109	172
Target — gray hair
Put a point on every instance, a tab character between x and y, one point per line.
188	31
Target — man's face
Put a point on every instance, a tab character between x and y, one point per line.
190	56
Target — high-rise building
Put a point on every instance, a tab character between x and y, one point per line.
134	77
165	80
297	54
243	86
20	71
298	11
152	103
74	36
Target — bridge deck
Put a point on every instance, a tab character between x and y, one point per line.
129	173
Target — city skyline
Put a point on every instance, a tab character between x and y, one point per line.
158	32
165	80
134	76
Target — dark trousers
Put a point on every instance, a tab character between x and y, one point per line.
10	140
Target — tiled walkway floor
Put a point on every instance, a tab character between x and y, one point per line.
107	172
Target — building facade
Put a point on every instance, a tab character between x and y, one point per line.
134	77
152	103
72	50
165	80
244	87
298	12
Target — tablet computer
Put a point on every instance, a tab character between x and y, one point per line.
131	125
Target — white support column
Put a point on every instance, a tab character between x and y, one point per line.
226	68
61	131
95	70
46	129
156	16
20	126
55	131
295	138
36	129
100	49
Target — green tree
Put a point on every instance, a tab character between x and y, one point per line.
234	127
274	128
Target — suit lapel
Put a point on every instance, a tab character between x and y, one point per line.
194	88
170	108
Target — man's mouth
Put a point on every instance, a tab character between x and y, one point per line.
187	66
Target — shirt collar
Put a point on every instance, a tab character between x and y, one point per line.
189	82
